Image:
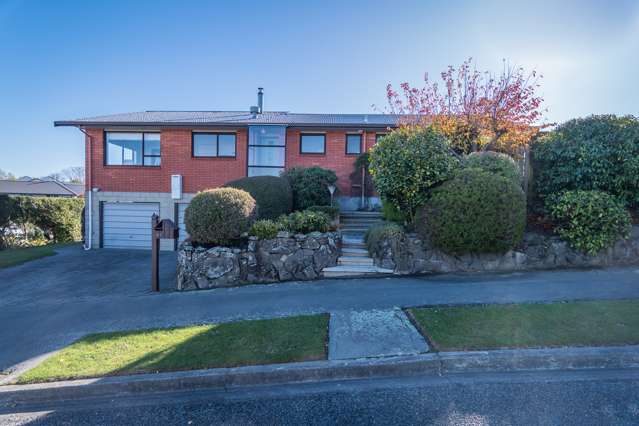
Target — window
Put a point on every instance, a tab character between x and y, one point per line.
132	149
353	144
266	150
214	144
378	136
312	143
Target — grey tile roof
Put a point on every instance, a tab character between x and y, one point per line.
230	118
40	187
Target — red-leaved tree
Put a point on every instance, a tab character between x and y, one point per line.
476	110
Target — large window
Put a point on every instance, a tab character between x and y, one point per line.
312	143
354	144
132	149
378	136
214	144
266	150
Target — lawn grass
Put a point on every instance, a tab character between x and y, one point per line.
16	256
598	323
291	339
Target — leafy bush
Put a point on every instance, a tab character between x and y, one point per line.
407	163
392	213
589	220
219	216
331	211
264	229
387	230
272	194
7	210
475	212
305	222
310	186
598	152
494	162
59	218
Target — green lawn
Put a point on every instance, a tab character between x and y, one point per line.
234	344
598	323
16	256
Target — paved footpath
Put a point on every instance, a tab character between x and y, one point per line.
48	303
375	333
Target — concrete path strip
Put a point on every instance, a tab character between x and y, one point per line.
431	364
374	333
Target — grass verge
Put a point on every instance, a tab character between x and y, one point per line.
291	339
16	256
597	323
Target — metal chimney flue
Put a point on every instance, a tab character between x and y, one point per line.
260	99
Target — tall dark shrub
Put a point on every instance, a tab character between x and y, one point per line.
600	152
475	212
310	186
272	194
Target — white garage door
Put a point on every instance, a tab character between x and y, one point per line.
180	222
127	225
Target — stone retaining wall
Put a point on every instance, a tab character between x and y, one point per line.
412	255
287	257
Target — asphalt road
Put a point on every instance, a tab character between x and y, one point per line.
546	398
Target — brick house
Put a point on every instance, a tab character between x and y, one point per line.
156	161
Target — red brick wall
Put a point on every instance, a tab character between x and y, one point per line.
197	173
203	173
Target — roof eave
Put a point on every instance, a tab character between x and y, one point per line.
102	124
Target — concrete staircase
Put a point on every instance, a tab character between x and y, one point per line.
355	260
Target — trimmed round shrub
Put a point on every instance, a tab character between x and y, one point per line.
264	229
475	212
408	162
272	194
589	220
219	216
310	186
494	162
305	222
600	152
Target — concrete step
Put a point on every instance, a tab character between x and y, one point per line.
354	228
352	260
354	251
361	220
354	271
353	241
360	214
359	246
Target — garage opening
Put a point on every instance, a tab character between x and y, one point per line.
127	225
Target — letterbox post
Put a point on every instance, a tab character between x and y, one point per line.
155	253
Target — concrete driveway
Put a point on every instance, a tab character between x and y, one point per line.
48	303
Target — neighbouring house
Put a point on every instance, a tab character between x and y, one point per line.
41	188
150	162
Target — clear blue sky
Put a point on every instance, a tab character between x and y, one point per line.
68	59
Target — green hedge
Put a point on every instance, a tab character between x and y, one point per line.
331	211
392	213
310	186
59	218
305	222
600	152
589	220
219	216
408	163
272	194
475	212
265	229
